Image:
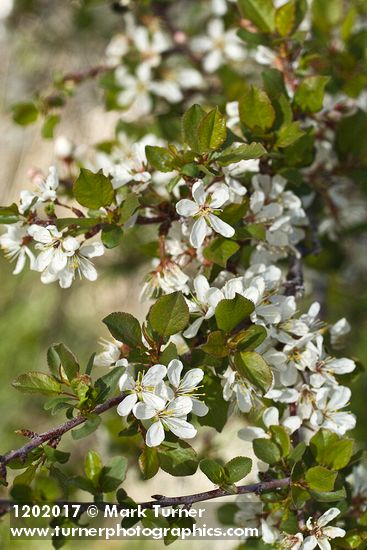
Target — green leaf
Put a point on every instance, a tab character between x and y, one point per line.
216	344
49	126
248	339
56	404
54	455
68	361
169	353
329	496
319	478
260	12
309	95
107	384
9	214
229	313
339	454
274	83
93	466
285	18
220	250
244	151
113	475
234	212
160	158
218	407
253	231
281	438
125	328
326	14
211	131
37	382
111	235
93	190
170	314
128	208
82	223
26	477
266	450
297	453
331	450
190	124
254	368
213	471
149	462
256	110
25	113
53	361
238	468
288	134
89	426
178	458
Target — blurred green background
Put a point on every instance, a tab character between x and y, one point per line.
37	39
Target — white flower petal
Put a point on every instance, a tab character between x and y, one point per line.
154	375
181	428
198	232
219	196
143	411
193	329
191	379
174	370
220	226
155	434
198	192
126	406
328	516
185	207
271	417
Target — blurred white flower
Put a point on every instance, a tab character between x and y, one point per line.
46	191
270	418
14	243
218	46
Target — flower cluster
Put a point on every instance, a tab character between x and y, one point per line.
239	204
160	405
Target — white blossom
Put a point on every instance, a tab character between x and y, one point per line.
111	355
187	385
136	95
144	388
14	243
62	257
320	532
328	415
218	45
170	416
235	387
46	191
203	208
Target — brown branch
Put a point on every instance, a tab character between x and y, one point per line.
294	285
56	433
186	500
143	220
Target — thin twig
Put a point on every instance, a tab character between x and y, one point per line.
57	432
186	500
